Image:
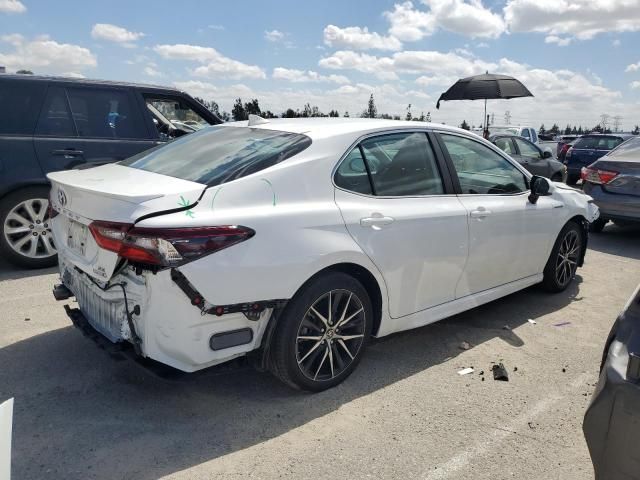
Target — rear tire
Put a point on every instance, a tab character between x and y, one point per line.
562	265
313	349
572	179
25	236
598	225
556	177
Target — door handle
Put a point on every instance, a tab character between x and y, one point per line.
68	152
480	212
376	221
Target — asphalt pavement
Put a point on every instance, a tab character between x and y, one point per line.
81	413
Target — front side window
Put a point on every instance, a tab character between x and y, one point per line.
402	164
217	155
527	149
55	118
480	170
173	114
20	102
505	145
104	113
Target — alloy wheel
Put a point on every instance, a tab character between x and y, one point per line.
567	259
330	335
27	229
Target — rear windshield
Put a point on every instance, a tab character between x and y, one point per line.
216	155
598	143
630	146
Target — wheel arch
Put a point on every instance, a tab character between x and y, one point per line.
584	228
15	187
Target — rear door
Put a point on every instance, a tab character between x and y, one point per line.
508	235
399	208
531	157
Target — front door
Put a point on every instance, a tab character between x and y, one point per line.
508	235
531	157
396	206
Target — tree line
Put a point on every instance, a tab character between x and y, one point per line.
241	111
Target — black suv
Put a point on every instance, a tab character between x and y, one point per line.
49	124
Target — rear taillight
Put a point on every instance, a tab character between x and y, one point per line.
594	175
166	246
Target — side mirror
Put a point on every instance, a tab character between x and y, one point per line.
539	188
547	153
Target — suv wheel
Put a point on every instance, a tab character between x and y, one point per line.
26	238
322	333
563	261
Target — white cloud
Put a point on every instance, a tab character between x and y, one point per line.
409	24
296	76
582	19
634	67
114	33
616	42
359	39
273	35
151	70
12	6
561	42
216	27
214	64
635	85
436	80
362	62
482	45
43	55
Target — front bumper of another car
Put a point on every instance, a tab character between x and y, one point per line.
612	421
614	206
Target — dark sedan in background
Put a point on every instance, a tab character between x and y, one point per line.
614	183
612	421
589	148
530	156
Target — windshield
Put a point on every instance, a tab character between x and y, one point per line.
216	155
597	142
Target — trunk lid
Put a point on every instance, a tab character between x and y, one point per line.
113	193
628	180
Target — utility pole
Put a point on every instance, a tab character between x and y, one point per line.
507	117
604	121
617	122
493	118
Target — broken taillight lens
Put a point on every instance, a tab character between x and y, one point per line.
594	175
166	246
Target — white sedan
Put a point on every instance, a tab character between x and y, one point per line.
299	239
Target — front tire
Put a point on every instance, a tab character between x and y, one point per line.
561	267
25	239
322	333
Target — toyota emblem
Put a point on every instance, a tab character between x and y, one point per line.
62	197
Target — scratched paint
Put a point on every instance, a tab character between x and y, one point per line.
185	203
272	189
213	199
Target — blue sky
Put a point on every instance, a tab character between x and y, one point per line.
578	57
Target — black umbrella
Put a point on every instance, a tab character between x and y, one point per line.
483	87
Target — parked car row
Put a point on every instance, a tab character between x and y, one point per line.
51	124
536	160
586	149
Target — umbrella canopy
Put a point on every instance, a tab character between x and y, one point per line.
485	86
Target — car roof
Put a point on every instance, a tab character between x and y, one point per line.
612	135
82	81
324	127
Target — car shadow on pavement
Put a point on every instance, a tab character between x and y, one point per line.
11	272
81	414
615	240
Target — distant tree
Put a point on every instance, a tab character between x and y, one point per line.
306	111
464	125
396	117
580	130
597	128
290	113
24	72
238	111
372	111
428	119
268	114
636	131
346	114
408	116
574	130
555	129
567	130
541	131
252	107
385	116
334	113
224	116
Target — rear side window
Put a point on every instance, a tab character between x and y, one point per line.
105	113
352	174
526	134
55	117
505	145
216	155
20	102
627	147
534	136
597	142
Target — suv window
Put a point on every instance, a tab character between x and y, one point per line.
597	142
104	113
173	113
55	118
480	169
534	136
20	102
527	149
217	155
402	164
352	174
525	133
